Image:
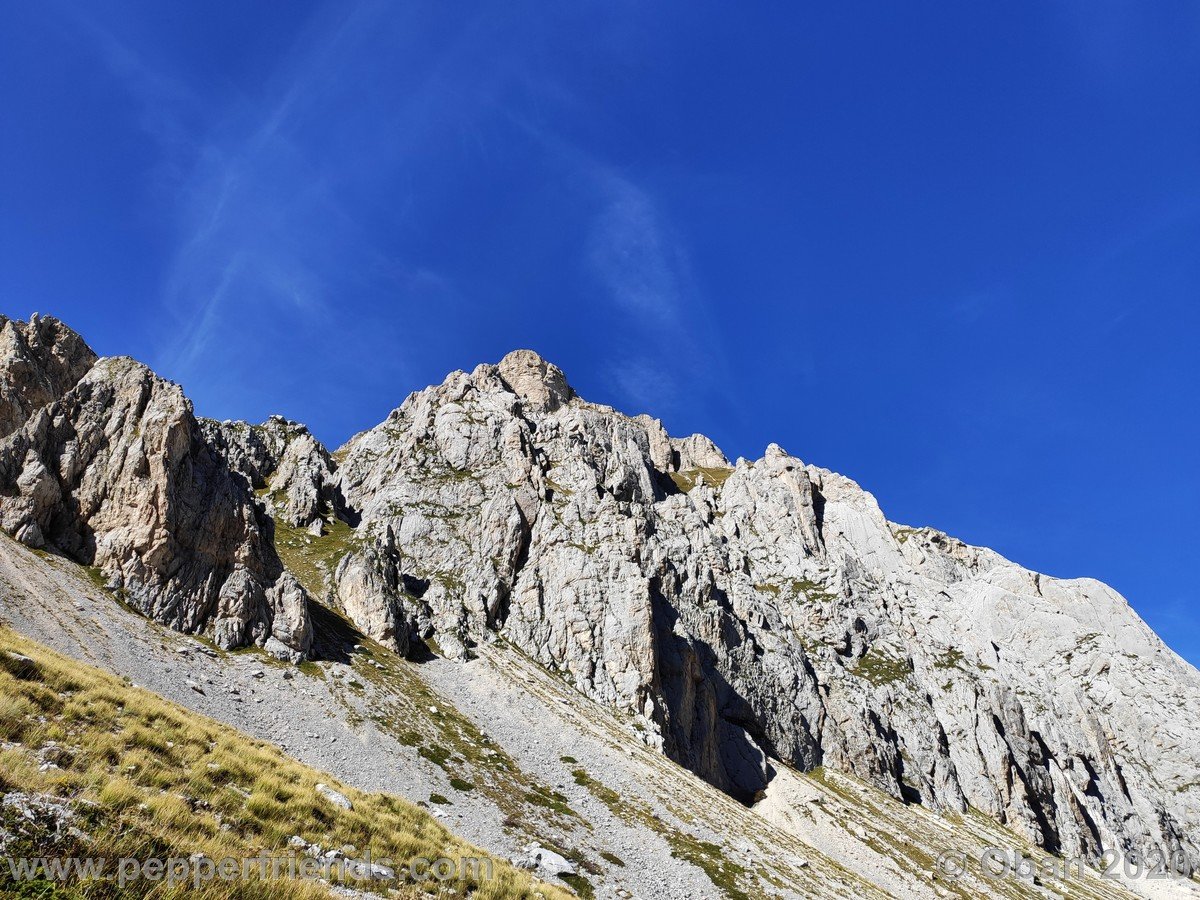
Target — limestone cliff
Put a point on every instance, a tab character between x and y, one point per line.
105	463
749	614
284	463
766	611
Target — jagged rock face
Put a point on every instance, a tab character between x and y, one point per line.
744	614
540	384
285	463
42	360
113	471
764	612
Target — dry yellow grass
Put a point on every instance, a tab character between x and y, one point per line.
167	782
712	476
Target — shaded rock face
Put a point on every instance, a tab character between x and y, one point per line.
765	612
282	461
112	470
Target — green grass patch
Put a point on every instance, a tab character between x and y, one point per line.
448	739
548	798
437	755
880	668
949	660
311	669
600	791
799	589
580	885
313	560
724	873
810	590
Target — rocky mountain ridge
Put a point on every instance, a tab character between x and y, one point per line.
285	465
766	611
105	463
749	615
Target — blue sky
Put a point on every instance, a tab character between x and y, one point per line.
947	249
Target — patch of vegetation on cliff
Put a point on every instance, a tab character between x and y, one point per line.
313	560
802	590
880	668
713	476
949	660
812	591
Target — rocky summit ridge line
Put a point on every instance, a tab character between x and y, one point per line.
751	614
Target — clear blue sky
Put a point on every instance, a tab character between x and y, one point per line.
948	249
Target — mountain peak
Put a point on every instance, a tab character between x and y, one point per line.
535	380
40	360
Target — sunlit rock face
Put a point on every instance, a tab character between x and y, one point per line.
744	615
765	611
285	464
103	461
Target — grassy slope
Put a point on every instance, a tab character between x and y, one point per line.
167	782
313	560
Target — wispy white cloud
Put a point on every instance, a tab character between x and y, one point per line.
634	254
977	306
276	197
631	247
166	107
1116	45
191	341
646	383
644	266
259	226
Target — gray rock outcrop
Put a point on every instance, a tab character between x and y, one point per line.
766	612
742	615
42	360
337	798
285	464
106	464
